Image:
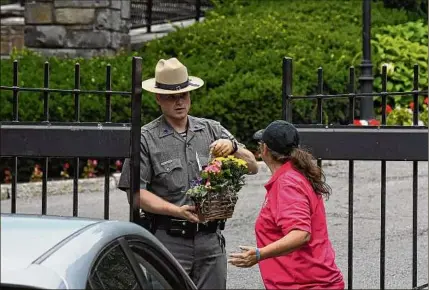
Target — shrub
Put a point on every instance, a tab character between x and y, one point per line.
404	115
418	6
401	47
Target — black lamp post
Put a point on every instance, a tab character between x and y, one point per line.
366	78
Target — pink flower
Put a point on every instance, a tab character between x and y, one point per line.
212	169
207	185
217	163
94	162
118	163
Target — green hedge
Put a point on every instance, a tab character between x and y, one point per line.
237	50
417	6
400	47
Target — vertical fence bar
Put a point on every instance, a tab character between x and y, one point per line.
287	89
76	118
45	167
319	102
15	119
149	15
415	177
197	10
107	160
416	95
46	94
383	94
351	182
320	93
136	100
352	98
383	225
383	186
15	91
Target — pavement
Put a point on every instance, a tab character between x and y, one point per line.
366	253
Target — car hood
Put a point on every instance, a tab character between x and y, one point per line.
25	238
36	276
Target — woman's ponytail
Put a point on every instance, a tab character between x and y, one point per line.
303	161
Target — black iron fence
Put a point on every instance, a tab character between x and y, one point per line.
145	13
381	143
46	139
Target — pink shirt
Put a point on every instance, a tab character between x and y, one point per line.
291	203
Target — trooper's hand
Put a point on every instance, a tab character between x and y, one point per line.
221	147
188	212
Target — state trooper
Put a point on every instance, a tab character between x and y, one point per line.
174	149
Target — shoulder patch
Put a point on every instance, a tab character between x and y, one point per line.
151	125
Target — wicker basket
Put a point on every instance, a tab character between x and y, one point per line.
217	206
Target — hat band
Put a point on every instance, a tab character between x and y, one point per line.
173	87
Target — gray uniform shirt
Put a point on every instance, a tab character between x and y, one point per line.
168	161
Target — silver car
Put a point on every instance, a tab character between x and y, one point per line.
49	252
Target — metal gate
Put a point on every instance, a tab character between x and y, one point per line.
145	13
379	143
334	142
75	139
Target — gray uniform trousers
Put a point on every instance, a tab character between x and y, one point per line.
203	257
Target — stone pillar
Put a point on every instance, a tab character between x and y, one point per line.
12	29
77	28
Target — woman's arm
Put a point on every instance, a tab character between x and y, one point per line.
289	243
249	157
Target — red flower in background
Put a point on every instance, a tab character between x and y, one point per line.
7	176
388	109
374	122
426	101
357	123
118	165
411	105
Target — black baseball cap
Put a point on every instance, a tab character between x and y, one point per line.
280	136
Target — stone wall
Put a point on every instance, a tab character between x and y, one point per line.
77	28
12	29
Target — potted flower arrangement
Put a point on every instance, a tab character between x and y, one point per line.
215	192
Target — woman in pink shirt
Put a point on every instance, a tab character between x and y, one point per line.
293	247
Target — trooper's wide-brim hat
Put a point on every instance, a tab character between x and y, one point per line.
171	77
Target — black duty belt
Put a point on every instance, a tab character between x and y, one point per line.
184	228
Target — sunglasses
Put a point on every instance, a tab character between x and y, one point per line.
175	97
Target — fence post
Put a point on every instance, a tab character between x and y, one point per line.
366	78
287	89
197	10
149	15
136	100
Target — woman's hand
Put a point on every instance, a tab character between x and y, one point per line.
246	259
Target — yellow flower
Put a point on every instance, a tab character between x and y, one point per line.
221	159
